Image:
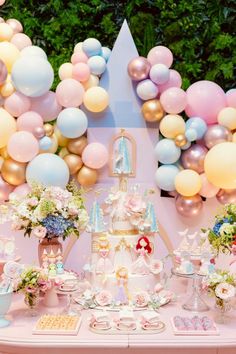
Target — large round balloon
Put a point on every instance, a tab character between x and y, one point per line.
188	183
220	165
72	122
172	125
7	127
193	158
95	155
165	177
46	106
49	170
33	51
167	152
32	76
23	146
189	206
217	134
205	99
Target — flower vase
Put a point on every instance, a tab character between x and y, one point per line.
222	307
50	245
32	301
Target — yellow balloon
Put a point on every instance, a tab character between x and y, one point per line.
1	162
91	82
96	99
9	53
220	165
4	153
62	141
172	125
6	32
188	183
7	89
7	127
63	152
227	117
65	71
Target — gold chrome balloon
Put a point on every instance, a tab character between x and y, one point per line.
74	162
13	172
62	140
180	140
152	111
87	176
49	129
76	146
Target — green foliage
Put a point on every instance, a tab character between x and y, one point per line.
200	33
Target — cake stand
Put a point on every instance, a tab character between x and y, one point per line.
195	302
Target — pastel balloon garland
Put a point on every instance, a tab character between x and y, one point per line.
43	133
196	154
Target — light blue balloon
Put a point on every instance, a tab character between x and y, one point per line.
146	90
72	122
92	46
33	51
106	52
49	170
165	177
45	143
97	65
167	152
198	124
191	134
32	76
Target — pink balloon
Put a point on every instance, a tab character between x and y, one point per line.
138	68
15	25
5	190
22	190
226	196
39	132
79	57
205	99
81	72
70	93
160	55
231	98
28	121
3	72
22	146
95	155
17	104
173	100
208	190
2	2
188	206
1	20
46	106
175	80
20	40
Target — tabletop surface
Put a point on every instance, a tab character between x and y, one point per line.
19	333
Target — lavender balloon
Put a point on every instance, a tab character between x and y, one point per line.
3	72
193	158
189	206
217	134
226	196
138	68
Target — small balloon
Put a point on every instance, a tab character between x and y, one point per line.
3	72
62	140
21	41
231	98
22	190
6	32
77	146
8	127
198	125
87	176
5	190
15	25
146	90
217	134
172	125
70	93
17	104
49	129
96	99
23	146
138	68
188	183
173	100
226	196
180	140
91	47
29	121
97	65
159	74
65	71
81	72
191	134
208	190
227	117
167	152
72	122
160	55
175	80
54	147
9	54
79	57
13	172
193	158
74	163
45	143
152	111
38	132
189	206
165	177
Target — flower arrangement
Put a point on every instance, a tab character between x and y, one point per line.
222	236
221	285
49	211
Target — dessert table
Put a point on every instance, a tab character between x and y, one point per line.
18	337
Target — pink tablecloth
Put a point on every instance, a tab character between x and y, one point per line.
18	337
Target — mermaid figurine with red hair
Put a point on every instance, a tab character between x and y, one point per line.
143	249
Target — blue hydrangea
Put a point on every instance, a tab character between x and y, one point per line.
57	225
217	226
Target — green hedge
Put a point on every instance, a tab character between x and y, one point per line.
200	33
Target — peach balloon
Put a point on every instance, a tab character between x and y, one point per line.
15	25
70	93
21	40
7	89
173	100
227	117
79	57
231	98
46	106
28	121
6	32
87	176
160	55
78	47
91	82
22	146
208	190
65	71
96	99
74	162
175	80
95	155
13	172
172	125
81	72
9	53
17	104
188	183
77	146
8	127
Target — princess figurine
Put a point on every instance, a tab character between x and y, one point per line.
122	296
143	249
104	264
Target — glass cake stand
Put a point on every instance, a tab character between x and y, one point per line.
195	302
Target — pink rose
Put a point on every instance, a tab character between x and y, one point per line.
103	298
135	204
39	231
158	287
141	299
